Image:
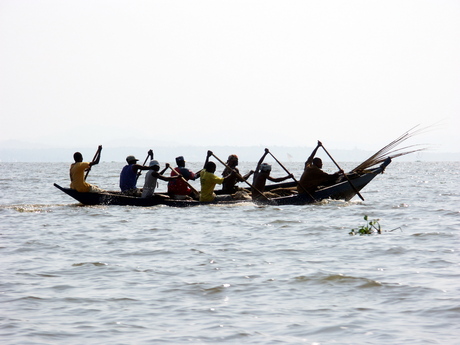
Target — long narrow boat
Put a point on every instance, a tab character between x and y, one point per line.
344	190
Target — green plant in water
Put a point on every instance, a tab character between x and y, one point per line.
368	229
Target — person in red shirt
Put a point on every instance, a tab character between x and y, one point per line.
178	188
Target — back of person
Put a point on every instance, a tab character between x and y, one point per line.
77	173
231	173
229	185
178	187
128	178
77	177
208	182
258	184
151	180
150	184
312	177
260	179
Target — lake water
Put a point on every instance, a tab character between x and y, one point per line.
240	274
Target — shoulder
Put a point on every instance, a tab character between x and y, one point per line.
82	164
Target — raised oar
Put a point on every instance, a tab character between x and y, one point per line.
149	154
295	180
239	175
197	194
344	174
96	158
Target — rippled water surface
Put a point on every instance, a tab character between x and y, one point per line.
238	274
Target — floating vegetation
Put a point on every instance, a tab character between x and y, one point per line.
371	227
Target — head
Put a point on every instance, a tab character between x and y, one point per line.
131	159
317	162
210	167
77	156
180	161
265	168
232	160
154	163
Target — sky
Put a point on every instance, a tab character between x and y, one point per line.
353	74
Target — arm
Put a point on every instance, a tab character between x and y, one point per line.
279	179
166	168
98	157
262	159
168	178
248	174
310	159
137	167
207	158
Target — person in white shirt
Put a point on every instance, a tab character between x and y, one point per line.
152	176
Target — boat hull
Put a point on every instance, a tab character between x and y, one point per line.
343	190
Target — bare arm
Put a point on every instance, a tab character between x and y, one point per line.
168	178
209	154
310	159
262	159
245	177
98	157
279	179
166	168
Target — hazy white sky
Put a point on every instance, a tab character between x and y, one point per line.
350	73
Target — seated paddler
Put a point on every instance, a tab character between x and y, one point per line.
261	175
152	177
313	176
179	188
77	174
233	175
208	181
128	176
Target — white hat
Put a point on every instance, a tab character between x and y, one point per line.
154	162
265	167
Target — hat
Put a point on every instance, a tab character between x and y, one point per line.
153	163
131	158
180	159
265	167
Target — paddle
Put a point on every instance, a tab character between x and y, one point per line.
239	175
95	160
351	183
194	191
149	154
295	180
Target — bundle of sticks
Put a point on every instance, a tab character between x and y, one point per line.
392	151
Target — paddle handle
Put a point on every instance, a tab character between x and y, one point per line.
96	158
293	177
348	179
239	175
149	154
188	184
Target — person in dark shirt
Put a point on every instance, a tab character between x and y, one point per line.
128	176
261	175
313	176
233	176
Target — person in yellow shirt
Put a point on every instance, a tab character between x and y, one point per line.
209	180
77	174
